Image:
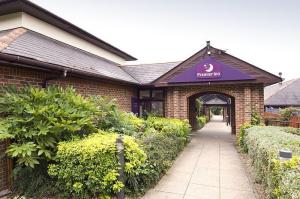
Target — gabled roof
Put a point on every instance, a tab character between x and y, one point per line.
283	94
147	73
34	46
12	6
259	75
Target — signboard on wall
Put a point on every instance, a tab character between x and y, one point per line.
208	70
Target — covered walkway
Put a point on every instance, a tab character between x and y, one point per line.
209	168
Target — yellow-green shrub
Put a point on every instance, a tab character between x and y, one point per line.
89	167
180	128
242	136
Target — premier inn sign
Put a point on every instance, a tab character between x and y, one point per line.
208	70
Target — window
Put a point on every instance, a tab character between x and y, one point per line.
151	102
157	94
144	94
157	108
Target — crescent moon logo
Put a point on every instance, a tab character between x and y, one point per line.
208	68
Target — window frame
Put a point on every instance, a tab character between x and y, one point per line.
152	99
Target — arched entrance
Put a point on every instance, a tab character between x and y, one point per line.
208	100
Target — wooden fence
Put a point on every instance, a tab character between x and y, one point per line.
272	119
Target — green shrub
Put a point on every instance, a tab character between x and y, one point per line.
35	183
114	120
37	119
169	126
242	136
201	121
288	113
162	140
280	179
291	130
89	167
255	119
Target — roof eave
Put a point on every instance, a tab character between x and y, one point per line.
12	6
32	63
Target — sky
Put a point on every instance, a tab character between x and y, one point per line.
264	33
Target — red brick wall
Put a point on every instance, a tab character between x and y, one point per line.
248	99
19	77
121	92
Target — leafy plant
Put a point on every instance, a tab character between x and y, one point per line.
288	113
255	119
216	110
37	119
114	120
202	120
89	167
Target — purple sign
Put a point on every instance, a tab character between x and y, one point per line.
208	70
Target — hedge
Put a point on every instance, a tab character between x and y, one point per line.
89	167
281	180
162	141
53	132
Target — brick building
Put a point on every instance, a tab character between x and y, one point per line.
39	48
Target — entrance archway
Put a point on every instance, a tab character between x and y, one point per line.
212	99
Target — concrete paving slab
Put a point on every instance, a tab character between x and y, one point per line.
208	168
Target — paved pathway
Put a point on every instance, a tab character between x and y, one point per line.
209	168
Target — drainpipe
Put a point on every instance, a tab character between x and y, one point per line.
45	82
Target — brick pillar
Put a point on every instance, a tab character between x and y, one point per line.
176	105
261	101
247	104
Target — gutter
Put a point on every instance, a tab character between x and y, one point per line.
35	64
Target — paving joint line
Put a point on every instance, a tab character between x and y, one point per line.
189	182
219	171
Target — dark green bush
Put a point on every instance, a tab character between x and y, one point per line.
281	180
162	140
35	182
89	167
37	119
114	120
